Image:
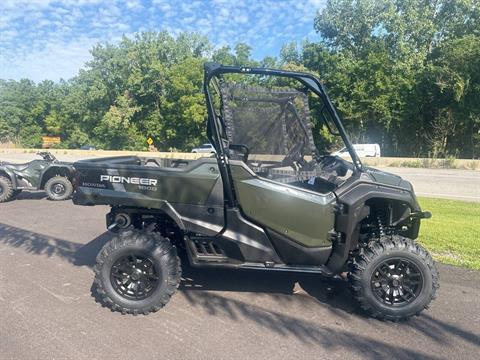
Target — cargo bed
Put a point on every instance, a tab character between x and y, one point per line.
144	182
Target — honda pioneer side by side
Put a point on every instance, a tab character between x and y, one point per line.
49	174
270	198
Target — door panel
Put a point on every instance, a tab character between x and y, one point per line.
300	215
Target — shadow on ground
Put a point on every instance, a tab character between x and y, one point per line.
203	289
39	244
31	195
333	292
329	291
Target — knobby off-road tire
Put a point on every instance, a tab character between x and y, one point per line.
6	189
137	272
394	279
58	188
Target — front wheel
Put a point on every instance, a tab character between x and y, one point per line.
58	188
394	279
137	272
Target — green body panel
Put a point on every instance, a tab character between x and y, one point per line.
298	214
32	171
192	184
190	187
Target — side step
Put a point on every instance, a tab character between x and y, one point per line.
206	252
204	249
322	270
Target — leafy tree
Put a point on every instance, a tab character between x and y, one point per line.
448	90
149	67
116	129
378	56
30	136
290	54
183	106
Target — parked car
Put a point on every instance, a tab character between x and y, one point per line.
205	148
362	150
88	147
49	174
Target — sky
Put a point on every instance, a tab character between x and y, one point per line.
51	39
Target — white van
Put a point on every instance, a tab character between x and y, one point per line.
362	150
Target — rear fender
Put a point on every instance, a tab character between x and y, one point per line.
51	171
9	175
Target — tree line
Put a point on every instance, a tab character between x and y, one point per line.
402	73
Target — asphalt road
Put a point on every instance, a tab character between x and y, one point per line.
442	183
439	183
48	309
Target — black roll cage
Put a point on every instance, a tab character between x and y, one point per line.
309	81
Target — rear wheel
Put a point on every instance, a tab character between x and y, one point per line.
6	189
58	188
137	272
394	278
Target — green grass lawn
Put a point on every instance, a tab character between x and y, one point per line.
452	235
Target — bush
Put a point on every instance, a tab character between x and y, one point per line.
31	136
411	163
448	162
473	165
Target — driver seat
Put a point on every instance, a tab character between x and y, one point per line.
16	167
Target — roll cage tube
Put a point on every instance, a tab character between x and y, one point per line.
213	134
308	80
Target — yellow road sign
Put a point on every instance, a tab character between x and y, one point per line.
49	141
149	141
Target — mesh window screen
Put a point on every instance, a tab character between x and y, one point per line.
270	122
274	125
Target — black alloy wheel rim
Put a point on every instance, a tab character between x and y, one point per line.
134	277
58	189
397	282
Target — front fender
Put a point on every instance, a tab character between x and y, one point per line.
352	198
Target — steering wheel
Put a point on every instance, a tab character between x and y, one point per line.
335	164
327	161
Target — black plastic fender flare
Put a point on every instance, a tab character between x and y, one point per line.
353	210
10	174
43	179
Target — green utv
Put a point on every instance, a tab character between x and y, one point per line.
267	200
49	174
